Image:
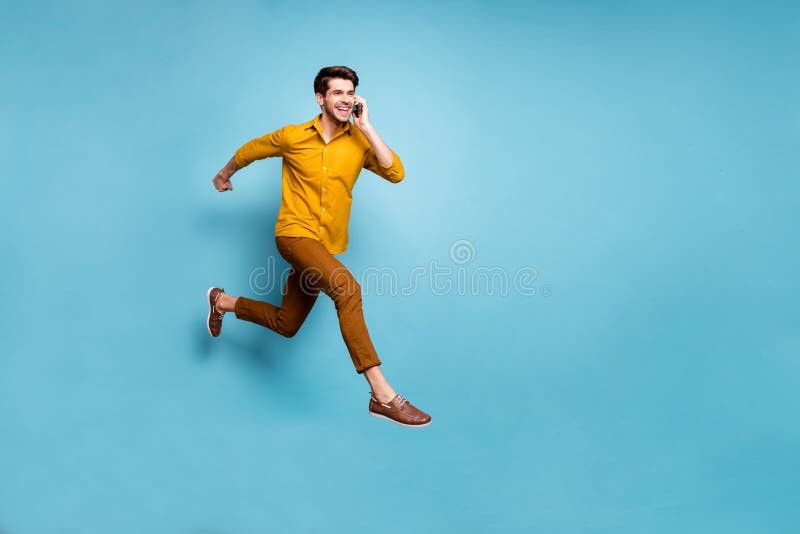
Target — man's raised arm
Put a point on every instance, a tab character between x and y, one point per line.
381	159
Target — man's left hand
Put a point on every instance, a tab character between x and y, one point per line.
363	120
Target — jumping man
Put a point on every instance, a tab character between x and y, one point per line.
322	159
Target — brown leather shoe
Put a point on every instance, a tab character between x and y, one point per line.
214	321
399	411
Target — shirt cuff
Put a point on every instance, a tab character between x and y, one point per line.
239	161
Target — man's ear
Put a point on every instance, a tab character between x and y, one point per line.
320	98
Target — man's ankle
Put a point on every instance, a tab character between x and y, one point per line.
218	308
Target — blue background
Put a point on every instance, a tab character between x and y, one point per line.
642	157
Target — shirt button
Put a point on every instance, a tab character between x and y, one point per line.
323	189
321	227
323	209
324	168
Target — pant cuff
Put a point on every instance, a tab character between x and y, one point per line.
360	369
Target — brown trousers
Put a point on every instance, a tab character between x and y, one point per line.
314	269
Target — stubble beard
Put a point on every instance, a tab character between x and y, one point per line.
331	113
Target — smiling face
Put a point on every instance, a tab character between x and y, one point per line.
337	103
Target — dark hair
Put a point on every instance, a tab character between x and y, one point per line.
328	73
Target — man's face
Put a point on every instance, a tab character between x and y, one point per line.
338	100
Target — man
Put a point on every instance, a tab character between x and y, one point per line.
322	159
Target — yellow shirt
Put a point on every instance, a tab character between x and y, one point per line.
318	178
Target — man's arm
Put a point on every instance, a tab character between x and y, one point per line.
382	152
270	145
381	159
222	181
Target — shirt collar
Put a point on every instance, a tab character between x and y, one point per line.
314	123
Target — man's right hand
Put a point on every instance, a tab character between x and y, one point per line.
222	183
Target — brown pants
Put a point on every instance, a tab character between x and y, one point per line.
314	269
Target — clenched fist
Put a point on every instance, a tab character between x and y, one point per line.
222	183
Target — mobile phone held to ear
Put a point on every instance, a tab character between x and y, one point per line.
357	110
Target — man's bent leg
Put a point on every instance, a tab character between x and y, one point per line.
285	319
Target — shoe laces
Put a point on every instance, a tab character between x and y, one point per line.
218	313
400	400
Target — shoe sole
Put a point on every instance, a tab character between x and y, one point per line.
373	414
210	311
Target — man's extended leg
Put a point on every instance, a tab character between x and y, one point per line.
321	271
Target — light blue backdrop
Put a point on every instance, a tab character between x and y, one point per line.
640	157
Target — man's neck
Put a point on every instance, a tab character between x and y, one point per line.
330	126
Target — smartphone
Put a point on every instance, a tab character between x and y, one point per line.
357	110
